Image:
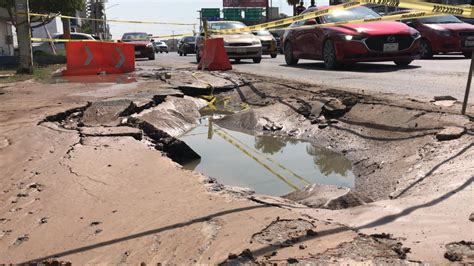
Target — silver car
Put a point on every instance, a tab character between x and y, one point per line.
238	46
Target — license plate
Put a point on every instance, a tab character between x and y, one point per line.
469	43
241	50
390	47
137	53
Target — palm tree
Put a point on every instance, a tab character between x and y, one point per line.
293	3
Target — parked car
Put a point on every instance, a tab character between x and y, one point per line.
161	47
187	45
278	37
442	35
45	47
269	43
238	46
143	44
351	43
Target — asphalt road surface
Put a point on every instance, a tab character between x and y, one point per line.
424	79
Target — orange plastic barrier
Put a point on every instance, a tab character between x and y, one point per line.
92	58
214	56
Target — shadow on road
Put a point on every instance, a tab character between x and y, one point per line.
359	67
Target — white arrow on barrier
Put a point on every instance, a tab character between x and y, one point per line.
90	56
122	58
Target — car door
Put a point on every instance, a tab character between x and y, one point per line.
313	40
296	39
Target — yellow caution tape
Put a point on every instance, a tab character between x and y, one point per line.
111	20
412	15
424	6
64	40
286	21
173	35
264	165
304	180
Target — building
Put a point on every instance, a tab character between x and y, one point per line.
55	26
7	39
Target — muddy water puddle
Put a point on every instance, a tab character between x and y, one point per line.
269	165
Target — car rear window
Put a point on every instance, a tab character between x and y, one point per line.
440	20
226	25
356	13
135	37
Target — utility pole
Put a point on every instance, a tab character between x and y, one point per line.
23	31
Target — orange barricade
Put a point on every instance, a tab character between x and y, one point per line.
214	56
92	58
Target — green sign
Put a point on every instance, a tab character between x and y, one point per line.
211	14
233	14
253	14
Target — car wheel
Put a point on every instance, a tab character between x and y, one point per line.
180	54
289	57
467	54
402	62
151	57
257	60
425	49
274	55
185	54
329	56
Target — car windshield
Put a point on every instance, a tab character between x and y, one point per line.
261	33
440	20
356	13
189	39
129	37
226	25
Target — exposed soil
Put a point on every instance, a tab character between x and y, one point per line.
88	175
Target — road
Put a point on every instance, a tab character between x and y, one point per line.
424	79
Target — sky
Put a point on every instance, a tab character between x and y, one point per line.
183	11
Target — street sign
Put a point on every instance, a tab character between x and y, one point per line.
253	14
245	3
211	14
233	14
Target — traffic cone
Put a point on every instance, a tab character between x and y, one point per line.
214	56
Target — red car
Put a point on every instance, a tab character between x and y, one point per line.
143	44
443	35
351	43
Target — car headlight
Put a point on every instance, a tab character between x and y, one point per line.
348	37
256	42
444	33
149	45
415	35
226	43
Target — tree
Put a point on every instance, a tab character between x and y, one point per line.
293	3
63	7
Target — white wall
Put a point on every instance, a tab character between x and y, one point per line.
55	26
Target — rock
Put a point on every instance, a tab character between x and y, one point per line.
180	152
4	142
471	217
450	133
239	191
107	113
292	260
111	132
327	197
334	108
460	251
21	239
445	98
174	116
444	103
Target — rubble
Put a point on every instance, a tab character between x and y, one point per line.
111	132
450	133
327	197
107	113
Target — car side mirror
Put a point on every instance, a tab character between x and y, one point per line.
310	22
